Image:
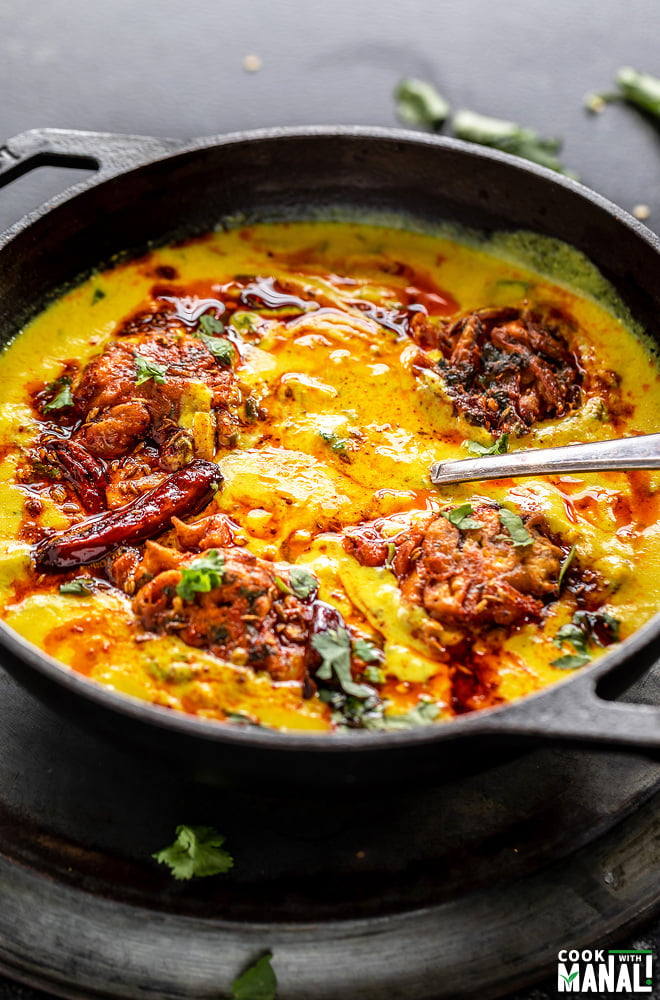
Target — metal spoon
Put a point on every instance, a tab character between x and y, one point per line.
620	454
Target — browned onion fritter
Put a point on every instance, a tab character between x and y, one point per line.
466	579
503	369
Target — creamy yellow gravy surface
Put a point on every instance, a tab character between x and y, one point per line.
347	429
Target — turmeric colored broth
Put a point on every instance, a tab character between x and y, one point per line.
340	429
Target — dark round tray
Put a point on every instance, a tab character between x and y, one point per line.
464	890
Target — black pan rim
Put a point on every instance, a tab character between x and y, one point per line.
482	722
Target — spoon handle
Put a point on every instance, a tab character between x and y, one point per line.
620	454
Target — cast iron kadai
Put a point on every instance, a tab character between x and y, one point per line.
147	191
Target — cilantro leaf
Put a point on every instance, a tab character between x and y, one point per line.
514	525
210	324
570	661
201	575
367	651
601	627
256	983
420	104
460	517
302	582
336	443
197	851
423	714
564	567
572	633
222	350
334	648
63	398
499	447
80	585
149	370
97	296
374	675
244	322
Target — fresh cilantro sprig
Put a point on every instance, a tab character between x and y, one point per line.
201	575
196	852
334	648
367	651
423	714
149	370
210	324
499	447
586	627
256	983
63	398
80	586
514	525
302	582
222	350
461	517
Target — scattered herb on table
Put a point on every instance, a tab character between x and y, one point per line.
420	104
202	575
258	982
196	852
149	370
499	447
461	518
508	137
639	89
514	525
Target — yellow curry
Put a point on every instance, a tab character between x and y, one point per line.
215	488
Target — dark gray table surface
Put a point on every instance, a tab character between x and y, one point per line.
169	68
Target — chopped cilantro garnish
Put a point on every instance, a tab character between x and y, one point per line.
302	582
80	586
572	633
334	648
586	627
374	675
222	350
420	104
210	324
281	585
564	567
202	575
196	852
336	443
499	447
149	370
460	517
63	398
514	525
367	651
423	714
570	661
256	983
244	322
97	296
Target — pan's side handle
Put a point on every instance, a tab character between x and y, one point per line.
577	712
103	152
